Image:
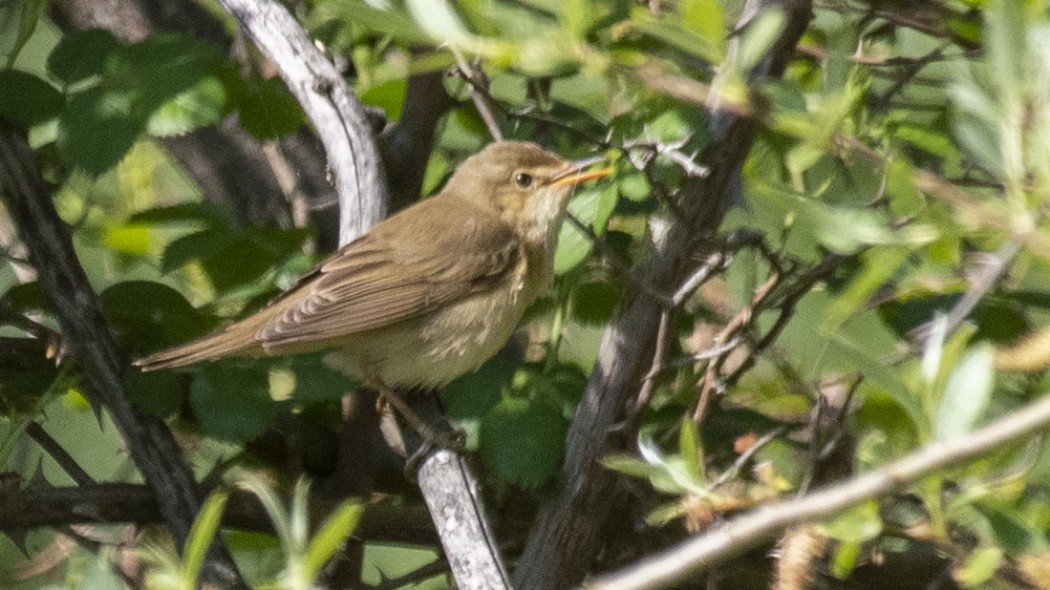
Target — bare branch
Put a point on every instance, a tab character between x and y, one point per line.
746	532
479	93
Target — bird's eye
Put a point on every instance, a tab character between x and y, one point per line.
522	179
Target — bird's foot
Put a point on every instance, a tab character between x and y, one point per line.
450	440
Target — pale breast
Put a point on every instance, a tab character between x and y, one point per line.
434	349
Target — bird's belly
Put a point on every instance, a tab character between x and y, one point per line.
434	349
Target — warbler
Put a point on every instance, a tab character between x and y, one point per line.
428	294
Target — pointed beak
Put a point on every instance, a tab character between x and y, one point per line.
576	173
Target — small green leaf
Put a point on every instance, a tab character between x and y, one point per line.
979	566
475	394
28	100
635	187
199	105
81	54
592	206
593	303
759	36
201	535
966	393
152	316
203	212
522	441
856	525
845	559
272	111
131	239
705	18
97	129
157	393
689	448
231	402
18	21
196	246
329	538
631	465
315	381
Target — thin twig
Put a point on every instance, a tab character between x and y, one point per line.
746	456
59	454
988	273
479	93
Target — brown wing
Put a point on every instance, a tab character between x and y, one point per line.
391	274
388	275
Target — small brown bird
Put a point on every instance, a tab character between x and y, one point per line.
428	294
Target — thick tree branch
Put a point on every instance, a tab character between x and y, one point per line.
406	146
570	525
101	361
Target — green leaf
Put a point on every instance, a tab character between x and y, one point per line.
28	100
18	21
856	525
195	247
97	128
202	104
675	34
523	441
81	55
878	265
689	448
966	393
475	394
157	393
635	187
845	559
232	403
102	123
631	465
329	538
758	37
130	239
592	206
315	381
593	303
271	111
576	17
706	20
201	535
152	316
979	566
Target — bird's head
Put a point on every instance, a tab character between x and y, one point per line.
526	185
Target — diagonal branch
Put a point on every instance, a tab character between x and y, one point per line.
746	532
102	362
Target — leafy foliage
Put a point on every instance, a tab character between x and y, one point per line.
906	144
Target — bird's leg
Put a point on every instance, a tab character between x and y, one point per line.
432	437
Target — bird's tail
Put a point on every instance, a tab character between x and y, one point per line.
234	340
